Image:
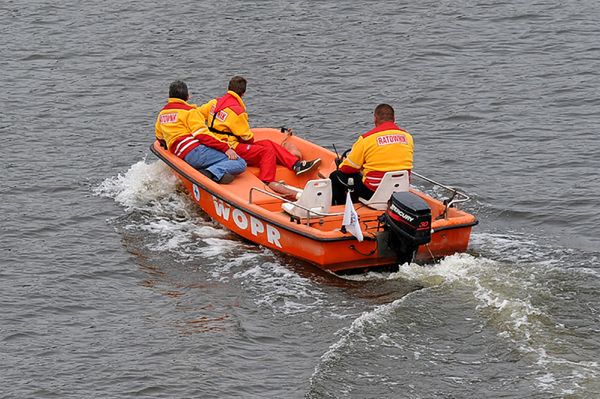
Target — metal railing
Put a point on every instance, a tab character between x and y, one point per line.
450	201
462	197
309	211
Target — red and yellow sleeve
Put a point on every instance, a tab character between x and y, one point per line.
210	141
205	108
197	125
196	121
239	126
355	160
158	131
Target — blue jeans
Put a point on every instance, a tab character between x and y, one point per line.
216	162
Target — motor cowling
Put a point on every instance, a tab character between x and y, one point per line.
408	219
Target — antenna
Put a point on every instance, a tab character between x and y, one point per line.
336	152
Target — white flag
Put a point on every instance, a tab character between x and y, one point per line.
351	219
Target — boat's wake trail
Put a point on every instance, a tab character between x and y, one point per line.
165	221
359	331
157	211
141	187
514	300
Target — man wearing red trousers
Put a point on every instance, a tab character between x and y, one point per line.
227	119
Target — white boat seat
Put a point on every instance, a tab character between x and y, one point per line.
390	183
316	196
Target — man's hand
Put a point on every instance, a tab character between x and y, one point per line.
231	154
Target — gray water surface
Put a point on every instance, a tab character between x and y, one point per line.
115	285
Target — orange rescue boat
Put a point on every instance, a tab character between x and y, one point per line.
399	223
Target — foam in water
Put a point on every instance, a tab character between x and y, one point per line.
503	290
505	293
355	332
519	248
281	289
242	259
140	185
151	190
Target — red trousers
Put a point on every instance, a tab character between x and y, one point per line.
266	154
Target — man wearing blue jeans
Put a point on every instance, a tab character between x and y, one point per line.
215	164
181	128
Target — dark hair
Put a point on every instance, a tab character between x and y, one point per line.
237	84
384	113
179	89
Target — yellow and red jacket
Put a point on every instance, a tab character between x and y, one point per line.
183	127
383	149
231	121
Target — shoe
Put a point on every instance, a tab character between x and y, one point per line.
207	174
304	166
226	179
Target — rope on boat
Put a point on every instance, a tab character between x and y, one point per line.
430	253
352	247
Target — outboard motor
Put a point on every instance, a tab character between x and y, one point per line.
408	219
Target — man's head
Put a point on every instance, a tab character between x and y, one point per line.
237	84
178	89
383	113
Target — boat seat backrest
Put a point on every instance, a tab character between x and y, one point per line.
390	183
316	196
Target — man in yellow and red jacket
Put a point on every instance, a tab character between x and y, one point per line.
181	128
227	119
383	149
